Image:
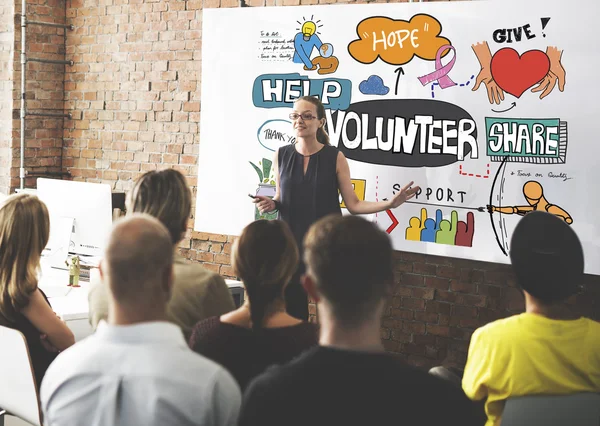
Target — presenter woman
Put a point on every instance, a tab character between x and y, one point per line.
309	175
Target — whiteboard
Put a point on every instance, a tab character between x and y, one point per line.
398	83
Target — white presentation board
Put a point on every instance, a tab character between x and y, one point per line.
489	106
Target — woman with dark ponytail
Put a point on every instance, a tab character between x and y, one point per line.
260	333
310	175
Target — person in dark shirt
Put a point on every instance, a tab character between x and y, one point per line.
24	232
349	379
260	333
310	176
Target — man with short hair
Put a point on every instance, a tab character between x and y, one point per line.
137	369
546	350
349	379
197	293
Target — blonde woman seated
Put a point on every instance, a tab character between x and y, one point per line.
24	232
197	292
260	333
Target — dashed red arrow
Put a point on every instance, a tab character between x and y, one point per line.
394	222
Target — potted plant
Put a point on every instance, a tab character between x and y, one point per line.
266	186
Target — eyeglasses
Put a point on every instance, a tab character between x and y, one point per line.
306	116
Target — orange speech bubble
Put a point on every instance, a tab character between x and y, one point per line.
397	41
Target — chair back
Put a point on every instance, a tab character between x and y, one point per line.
579	409
18	391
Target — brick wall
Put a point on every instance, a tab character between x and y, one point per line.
134	92
6	89
44	91
438	302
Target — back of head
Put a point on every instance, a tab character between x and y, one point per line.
265	257
350	260
165	195
138	261
547	257
24	232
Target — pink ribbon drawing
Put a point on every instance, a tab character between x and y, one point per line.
441	72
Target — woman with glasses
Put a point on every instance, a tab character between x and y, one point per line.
310	175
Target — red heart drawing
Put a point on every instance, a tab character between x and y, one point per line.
515	74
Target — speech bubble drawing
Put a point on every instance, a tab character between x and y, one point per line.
274	134
396	42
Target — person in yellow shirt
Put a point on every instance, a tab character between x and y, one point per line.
546	350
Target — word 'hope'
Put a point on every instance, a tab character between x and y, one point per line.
396	38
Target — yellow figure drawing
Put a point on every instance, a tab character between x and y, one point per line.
360	189
534	195
413	232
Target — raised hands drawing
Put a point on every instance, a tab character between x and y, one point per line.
556	74
484	56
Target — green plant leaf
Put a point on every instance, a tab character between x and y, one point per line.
267	167
258	170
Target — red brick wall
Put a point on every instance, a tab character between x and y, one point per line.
44	92
134	92
439	302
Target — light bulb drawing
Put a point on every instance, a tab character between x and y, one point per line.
306	40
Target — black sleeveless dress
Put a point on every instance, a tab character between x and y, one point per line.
305	198
40	357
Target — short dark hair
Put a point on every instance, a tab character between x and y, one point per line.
165	195
547	257
350	260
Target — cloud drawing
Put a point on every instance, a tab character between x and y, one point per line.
373	86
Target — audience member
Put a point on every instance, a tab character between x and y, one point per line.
260	333
24	233
547	349
349	379
137	369
197	292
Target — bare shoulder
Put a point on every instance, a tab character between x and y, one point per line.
36	301
341	162
340	156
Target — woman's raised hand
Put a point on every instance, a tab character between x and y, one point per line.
405	194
